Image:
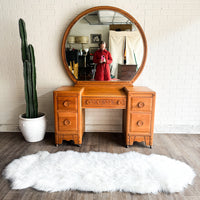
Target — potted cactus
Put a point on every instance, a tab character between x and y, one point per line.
32	123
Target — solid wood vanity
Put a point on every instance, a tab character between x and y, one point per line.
137	102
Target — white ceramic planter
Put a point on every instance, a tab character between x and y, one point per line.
33	129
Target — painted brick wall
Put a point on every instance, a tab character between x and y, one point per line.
172	29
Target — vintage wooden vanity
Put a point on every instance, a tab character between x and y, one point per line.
137	102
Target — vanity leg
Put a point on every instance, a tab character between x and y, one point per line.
58	139
148	146
127	146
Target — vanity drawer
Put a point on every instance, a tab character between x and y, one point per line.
67	121
67	103
141	104
92	102
140	122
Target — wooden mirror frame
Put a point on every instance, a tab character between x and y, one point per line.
111	83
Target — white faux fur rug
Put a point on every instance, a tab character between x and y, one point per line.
98	172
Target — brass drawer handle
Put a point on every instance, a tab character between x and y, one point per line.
140	104
67	122
66	103
140	123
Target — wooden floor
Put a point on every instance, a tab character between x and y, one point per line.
183	147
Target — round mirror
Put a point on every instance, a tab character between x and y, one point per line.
104	44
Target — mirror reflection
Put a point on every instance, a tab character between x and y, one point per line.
105	46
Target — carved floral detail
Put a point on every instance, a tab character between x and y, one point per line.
105	102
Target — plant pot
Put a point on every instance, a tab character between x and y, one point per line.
33	129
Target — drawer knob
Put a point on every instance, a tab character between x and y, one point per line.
140	123
67	122
66	103
140	104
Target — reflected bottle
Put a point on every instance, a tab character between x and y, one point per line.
125	56
124	60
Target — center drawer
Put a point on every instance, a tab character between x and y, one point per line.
109	102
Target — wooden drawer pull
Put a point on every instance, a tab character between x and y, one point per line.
66	103
140	123
67	122
140	104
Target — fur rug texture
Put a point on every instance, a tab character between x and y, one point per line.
99	172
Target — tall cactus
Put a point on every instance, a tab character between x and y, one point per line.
28	59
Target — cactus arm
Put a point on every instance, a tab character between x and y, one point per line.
23	35
22	29
33	79
30	89
25	71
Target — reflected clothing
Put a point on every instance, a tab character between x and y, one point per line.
71	55
102	69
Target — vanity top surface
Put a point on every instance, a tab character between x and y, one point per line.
137	89
104	91
69	89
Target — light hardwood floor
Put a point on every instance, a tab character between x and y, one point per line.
183	147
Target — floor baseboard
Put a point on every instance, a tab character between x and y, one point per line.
168	128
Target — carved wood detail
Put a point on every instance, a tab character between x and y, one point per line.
134	138
102	102
60	137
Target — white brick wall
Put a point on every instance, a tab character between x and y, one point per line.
172	29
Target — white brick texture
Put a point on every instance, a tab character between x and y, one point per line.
172	29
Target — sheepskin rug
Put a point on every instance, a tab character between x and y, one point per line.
99	172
